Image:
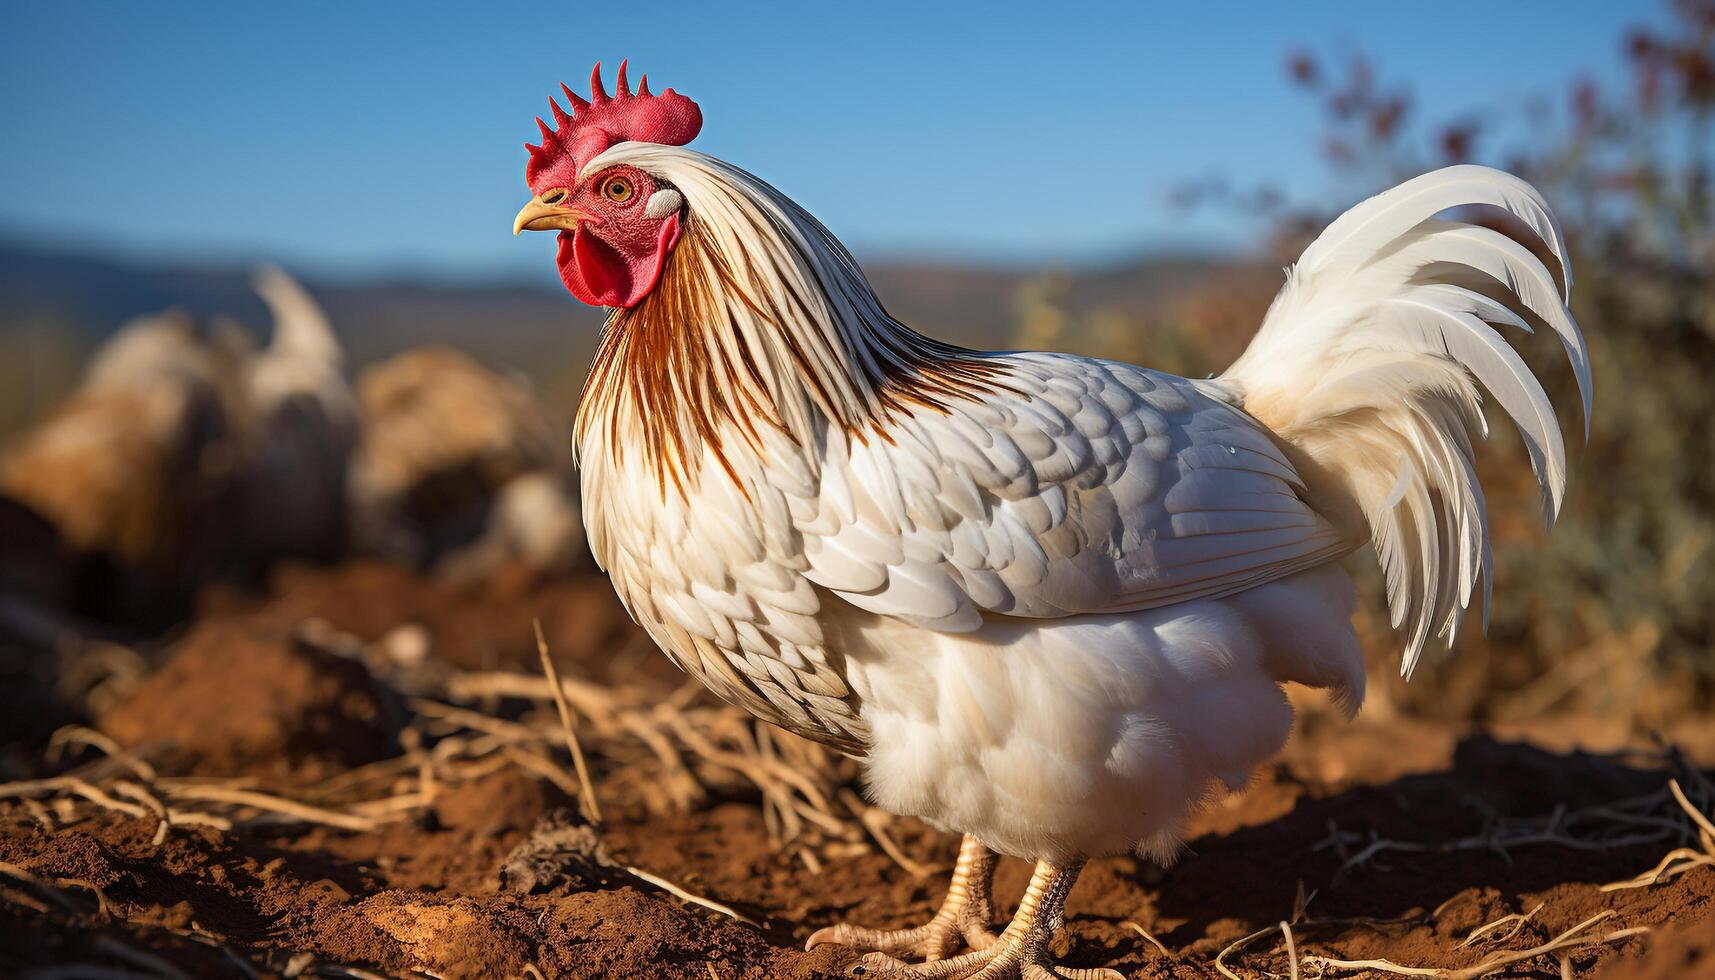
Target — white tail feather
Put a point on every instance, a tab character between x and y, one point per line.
1369	360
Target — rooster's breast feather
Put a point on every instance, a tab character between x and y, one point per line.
1076	486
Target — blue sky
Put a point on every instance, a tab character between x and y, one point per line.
362	138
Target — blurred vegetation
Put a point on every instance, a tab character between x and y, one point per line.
1614	611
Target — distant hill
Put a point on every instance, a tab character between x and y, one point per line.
74	301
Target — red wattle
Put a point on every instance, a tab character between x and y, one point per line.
601	275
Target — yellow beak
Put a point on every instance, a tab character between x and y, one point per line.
539	215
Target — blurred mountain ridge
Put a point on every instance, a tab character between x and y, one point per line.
56	305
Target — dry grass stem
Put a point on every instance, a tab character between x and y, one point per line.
157	967
1236	946
59	898
57	785
1147	935
276	805
39	813
586	799
671	752
164	818
1576	938
80	735
875	821
196	935
1515	920
1706	828
1571	939
685	896
185	817
510	731
1681	859
545	767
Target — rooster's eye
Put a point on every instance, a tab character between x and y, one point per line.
617	189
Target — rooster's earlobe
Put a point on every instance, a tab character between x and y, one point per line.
663	203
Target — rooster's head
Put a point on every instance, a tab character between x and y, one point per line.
617	224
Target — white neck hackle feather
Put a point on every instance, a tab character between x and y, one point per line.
775	321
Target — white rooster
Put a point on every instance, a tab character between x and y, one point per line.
1048	600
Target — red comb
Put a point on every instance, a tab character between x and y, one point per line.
602	120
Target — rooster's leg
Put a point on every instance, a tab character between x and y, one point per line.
963	919
1019	953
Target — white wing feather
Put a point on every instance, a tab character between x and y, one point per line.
1088	487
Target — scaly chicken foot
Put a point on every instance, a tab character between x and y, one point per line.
963	919
1021	952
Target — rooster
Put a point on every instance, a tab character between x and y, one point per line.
1049	601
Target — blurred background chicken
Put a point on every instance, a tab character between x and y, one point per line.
306	428
460	470
140	470
186	454
35	575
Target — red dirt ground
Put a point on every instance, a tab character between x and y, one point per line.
434	893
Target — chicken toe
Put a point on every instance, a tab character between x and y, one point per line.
1019	953
963	919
